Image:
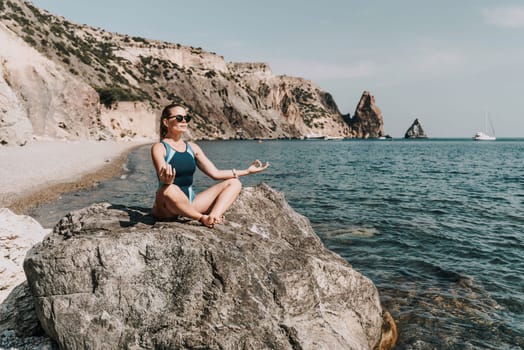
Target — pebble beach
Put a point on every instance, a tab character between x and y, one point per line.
40	171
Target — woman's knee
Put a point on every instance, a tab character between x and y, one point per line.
172	193
235	182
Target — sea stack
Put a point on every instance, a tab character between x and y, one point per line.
415	131
367	121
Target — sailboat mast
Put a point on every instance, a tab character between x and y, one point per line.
492	128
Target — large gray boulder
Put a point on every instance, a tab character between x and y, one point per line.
111	277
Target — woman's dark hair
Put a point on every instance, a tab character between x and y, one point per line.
166	112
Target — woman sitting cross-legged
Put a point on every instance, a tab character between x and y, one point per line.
175	162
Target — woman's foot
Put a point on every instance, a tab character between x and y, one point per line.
219	220
207	220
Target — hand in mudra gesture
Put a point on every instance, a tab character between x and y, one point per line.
257	166
167	174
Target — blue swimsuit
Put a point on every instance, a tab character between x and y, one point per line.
184	164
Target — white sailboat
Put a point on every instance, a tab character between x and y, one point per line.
483	135
314	137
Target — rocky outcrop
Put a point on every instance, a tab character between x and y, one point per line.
77	68
111	277
290	106
367	121
415	131
18	233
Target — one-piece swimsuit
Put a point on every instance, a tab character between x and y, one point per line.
185	165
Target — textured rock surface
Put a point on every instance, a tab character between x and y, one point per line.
415	131
18	314
367	121
110	277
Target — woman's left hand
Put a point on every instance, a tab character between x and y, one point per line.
257	166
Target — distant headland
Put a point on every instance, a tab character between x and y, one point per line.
62	80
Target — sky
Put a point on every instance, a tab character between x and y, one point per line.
448	63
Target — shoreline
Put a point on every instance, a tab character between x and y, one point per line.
104	160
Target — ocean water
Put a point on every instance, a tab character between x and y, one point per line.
438	225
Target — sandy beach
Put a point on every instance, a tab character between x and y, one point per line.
40	171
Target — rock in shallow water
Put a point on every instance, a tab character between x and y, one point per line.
111	277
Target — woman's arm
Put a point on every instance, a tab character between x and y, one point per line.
164	171
210	169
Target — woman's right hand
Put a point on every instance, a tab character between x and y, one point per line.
257	166
167	174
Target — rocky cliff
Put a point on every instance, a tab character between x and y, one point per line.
56	75
415	131
111	277
91	66
39	97
367	121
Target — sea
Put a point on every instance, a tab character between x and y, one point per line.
436	224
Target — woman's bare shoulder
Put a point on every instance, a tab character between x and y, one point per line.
158	147
196	148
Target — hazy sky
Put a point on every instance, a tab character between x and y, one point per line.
448	63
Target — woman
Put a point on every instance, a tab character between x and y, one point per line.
175	162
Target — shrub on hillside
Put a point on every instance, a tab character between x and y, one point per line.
109	96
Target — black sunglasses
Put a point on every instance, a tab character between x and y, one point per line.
179	117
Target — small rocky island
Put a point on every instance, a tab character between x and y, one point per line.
415	131
112	277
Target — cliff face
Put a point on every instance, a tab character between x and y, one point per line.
69	69
111	277
40	97
367	121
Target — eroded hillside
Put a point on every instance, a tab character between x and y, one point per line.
134	77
